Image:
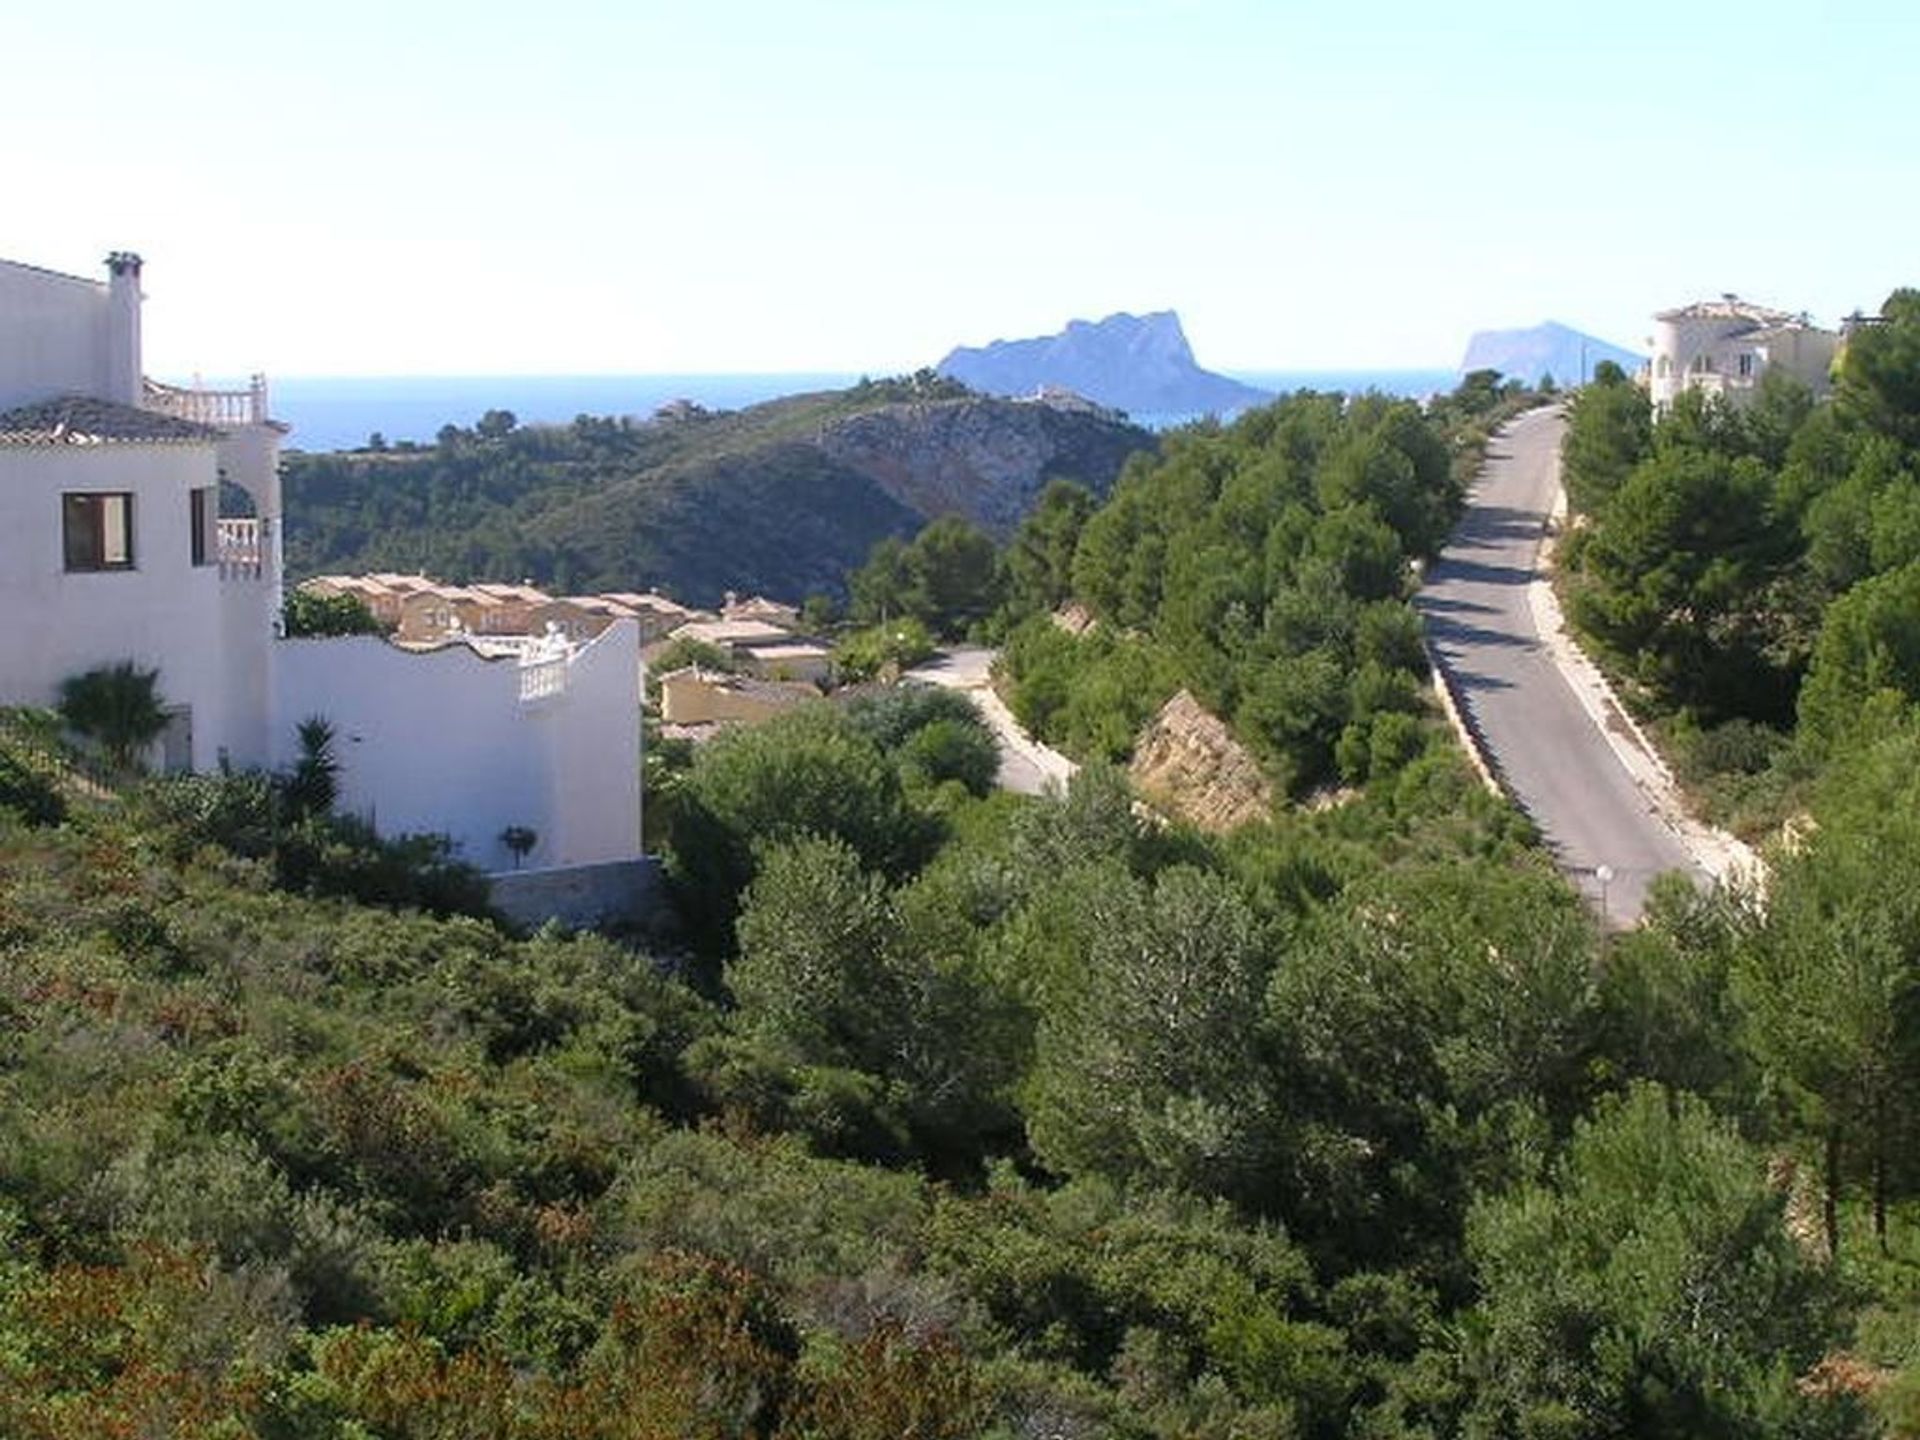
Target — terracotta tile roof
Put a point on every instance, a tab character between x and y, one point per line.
779	692
633	600
500	591
1730	307
732	632
797	650
82	420
599	605
402	584
346	584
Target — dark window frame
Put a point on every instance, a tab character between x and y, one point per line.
83	531
201	524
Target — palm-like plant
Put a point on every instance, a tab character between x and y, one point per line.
519	840
313	784
118	707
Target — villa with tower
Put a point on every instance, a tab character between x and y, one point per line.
1726	347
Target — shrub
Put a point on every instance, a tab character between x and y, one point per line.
29	776
118	707
309	615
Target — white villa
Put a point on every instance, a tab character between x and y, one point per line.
1726	346
113	547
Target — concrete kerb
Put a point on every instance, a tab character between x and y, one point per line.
1478	755
1054	768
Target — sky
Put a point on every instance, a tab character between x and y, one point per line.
573	187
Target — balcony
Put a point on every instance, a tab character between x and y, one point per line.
542	679
222	409
543	668
238	549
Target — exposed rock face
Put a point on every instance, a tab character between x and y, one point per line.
1138	363
1075	618
984	459
1546	349
1187	763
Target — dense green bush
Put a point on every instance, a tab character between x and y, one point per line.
31	767
1264	566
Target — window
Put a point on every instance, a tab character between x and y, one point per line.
98	530
1746	365
200	523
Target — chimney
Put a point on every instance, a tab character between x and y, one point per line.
123	328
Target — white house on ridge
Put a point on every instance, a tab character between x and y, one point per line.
1726	347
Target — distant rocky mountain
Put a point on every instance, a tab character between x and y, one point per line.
783	498
1141	364
1545	349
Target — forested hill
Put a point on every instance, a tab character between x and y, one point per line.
784	497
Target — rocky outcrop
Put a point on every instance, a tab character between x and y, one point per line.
1188	764
984	459
1137	363
1547	349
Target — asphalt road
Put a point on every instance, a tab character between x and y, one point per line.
1547	751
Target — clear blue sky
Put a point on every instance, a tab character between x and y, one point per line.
398	187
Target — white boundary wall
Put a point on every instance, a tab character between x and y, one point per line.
443	741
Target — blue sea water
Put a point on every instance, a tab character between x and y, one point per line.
342	412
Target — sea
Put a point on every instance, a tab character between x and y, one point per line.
343	412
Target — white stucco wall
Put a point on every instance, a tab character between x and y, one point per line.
250	458
442	741
165	613
1678	344
1808	356
593	747
54	336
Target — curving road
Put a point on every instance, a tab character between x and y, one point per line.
1026	766
1544	746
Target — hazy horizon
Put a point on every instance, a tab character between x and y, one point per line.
342	412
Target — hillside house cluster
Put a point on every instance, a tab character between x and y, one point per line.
114	547
760	638
422	611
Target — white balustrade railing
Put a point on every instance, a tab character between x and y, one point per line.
238	548
540	679
221	409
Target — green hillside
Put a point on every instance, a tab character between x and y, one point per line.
990	1117
784	497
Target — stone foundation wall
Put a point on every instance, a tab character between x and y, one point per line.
581	896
